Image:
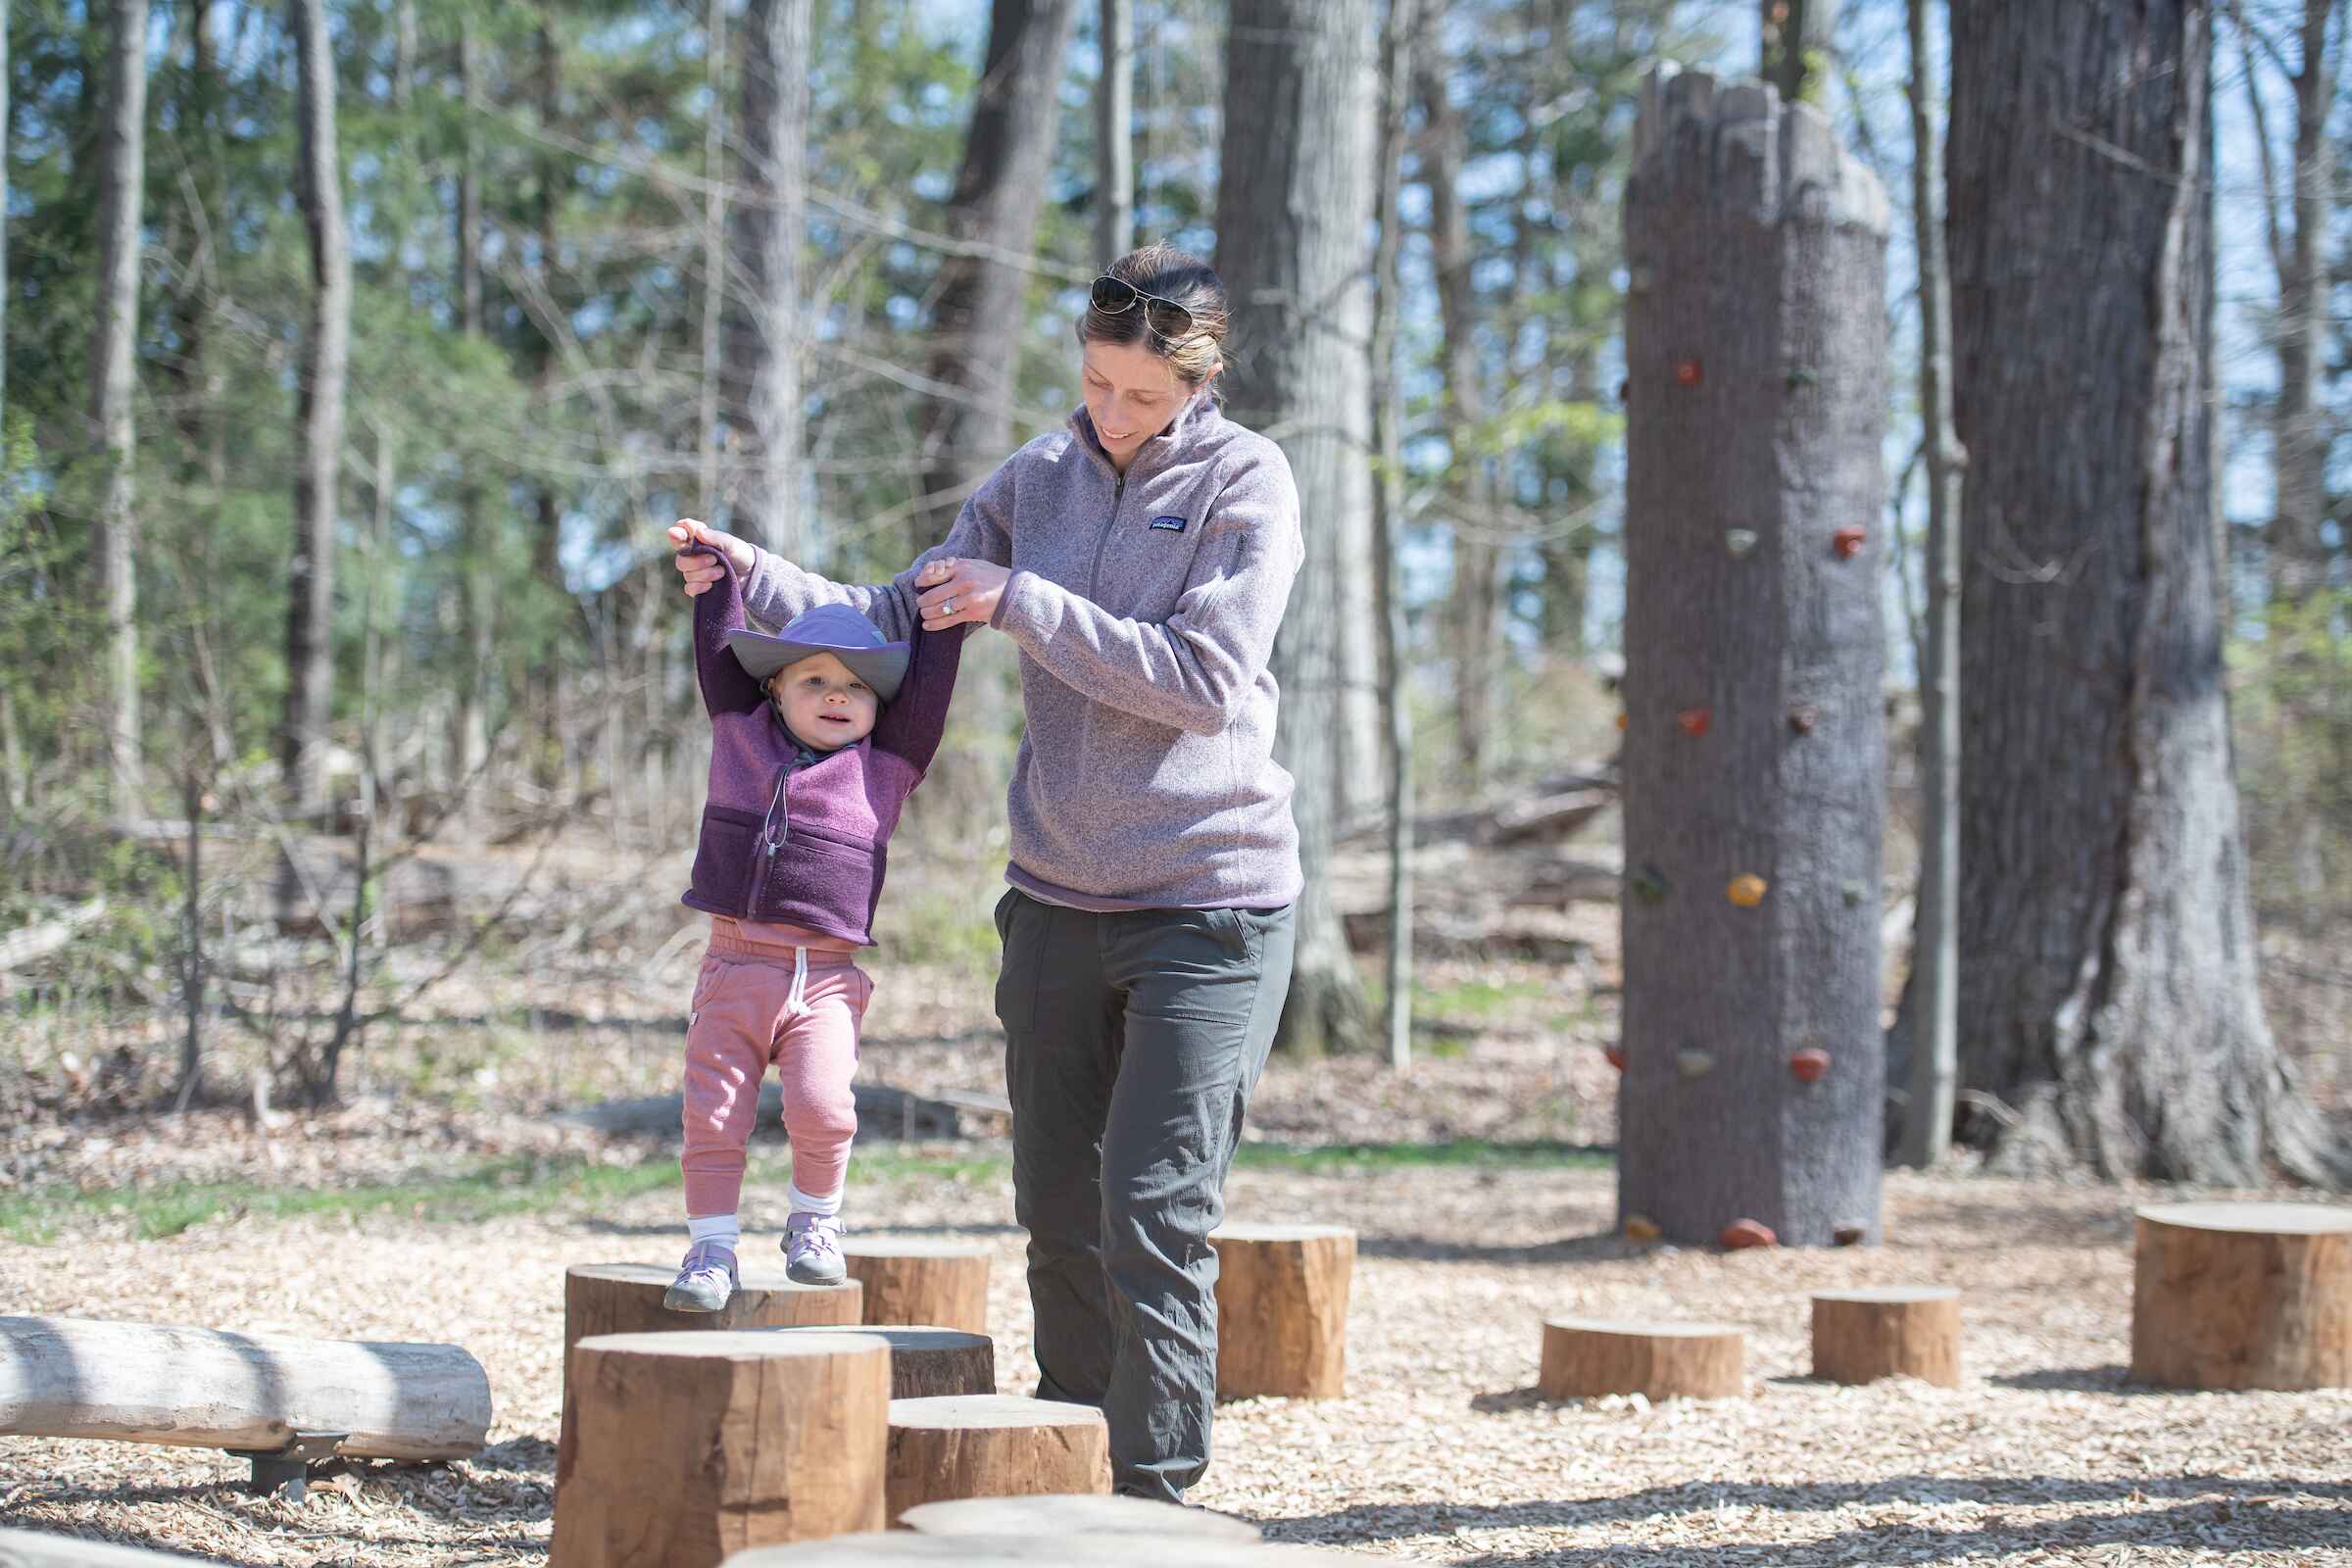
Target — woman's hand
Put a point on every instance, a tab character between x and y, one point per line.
699	570
959	592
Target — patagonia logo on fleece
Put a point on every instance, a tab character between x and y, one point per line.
1172	525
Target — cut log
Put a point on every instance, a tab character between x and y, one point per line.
1588	1358
905	1548
626	1298
2242	1296
1049	1515
927	1362
992	1445
921	1279
63	1377
30	1548
1863	1336
1282	1309
684	1447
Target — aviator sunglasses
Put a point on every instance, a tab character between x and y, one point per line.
1112	295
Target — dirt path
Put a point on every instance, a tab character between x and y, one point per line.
1442	1451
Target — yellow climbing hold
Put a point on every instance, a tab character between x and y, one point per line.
1640	1228
1746	890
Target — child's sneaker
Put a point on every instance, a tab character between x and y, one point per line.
705	1280
813	1248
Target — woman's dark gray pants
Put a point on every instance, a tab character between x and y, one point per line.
1132	1043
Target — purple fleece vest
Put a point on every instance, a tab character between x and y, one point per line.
805	844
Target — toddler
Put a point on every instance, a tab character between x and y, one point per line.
817	737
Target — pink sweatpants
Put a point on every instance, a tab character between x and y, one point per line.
755	1003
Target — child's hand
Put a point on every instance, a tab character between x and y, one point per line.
699	570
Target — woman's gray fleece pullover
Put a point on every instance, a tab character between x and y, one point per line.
1145	608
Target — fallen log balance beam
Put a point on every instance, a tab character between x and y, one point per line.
30	1548
64	1377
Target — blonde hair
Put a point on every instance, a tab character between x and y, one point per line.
1181	279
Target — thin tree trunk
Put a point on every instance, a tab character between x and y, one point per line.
2107	980
114	384
1114	135
477	612
979	312
4	123
1797	35
191	1042
1293	200
319	416
1388	526
764	362
1934	995
2301	421
714	250
547	503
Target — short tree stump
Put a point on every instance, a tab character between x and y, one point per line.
1282	1309
1903	1332
921	1279
908	1548
991	1446
2242	1296
1585	1359
1053	1514
684	1447
927	1362
626	1298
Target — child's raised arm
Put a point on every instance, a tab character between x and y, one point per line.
911	724
727	687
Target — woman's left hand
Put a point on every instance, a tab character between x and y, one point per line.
958	591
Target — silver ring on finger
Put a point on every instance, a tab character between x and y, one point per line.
947	606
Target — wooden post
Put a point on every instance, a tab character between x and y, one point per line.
1282	1309
1588	1358
1862	1335
63	1377
992	1445
2242	1296
921	1279
1754	758
626	1298
684	1447
927	1362
1045	1516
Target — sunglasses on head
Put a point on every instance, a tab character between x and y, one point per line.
1112	295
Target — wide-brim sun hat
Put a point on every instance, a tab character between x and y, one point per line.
834	629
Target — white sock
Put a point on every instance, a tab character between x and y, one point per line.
724	1229
804	1204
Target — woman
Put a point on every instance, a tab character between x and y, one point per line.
1140	558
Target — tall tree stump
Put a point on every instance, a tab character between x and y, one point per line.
1754	754
626	1298
1047	1515
2242	1296
1282	1309
1588	1358
991	1446
1863	1336
683	1448
927	1362
921	1279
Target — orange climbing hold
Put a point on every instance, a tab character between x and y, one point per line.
1689	373
1615	1056
1746	890
1847	542
1621	721
1743	1232
1640	1228
1809	1064
1695	721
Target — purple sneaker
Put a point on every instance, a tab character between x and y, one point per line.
705	1280
813	1248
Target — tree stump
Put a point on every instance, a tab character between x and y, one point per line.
921	1279
1282	1309
1862	1335
684	1447
626	1298
1045	1516
927	1362
1585	1359
907	1548
991	1446
2242	1296
1755	350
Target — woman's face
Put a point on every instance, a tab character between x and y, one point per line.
1131	395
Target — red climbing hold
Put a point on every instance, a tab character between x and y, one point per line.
1689	373
1848	1234
1741	1233
1847	542
1809	1064
1616	1055
1693	721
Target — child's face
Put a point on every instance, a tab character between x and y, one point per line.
825	701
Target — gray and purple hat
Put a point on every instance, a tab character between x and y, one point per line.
834	629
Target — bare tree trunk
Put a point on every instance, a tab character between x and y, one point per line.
714	250
1388	522
191	1042
764	369
319	416
1934	995
2107	982
114	380
1755	750
1114	135
1797	36
4	123
979	313
2300	422
1293	200
476	615
1477	604
547	506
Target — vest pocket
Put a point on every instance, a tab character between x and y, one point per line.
723	856
817	878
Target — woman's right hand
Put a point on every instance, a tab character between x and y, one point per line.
699	570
